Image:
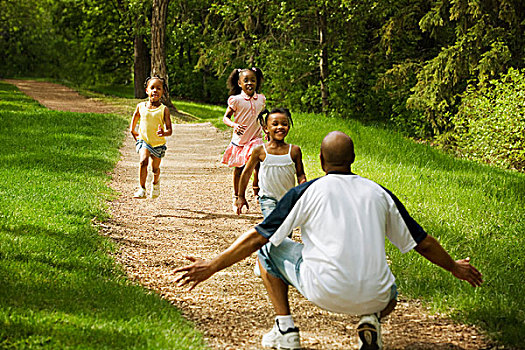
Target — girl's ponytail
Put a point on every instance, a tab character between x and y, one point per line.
233	82
262	118
259	76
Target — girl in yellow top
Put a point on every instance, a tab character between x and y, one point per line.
154	124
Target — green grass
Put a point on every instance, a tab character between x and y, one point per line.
204	112
472	209
123	91
59	285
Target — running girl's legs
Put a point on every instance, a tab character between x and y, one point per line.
237	171
143	169
155	167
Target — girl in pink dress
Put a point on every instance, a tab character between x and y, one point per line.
244	105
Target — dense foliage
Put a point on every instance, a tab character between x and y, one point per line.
491	122
407	63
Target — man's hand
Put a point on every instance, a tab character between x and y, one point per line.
239	203
464	271
246	244
435	253
195	273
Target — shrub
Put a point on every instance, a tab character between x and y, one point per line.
490	124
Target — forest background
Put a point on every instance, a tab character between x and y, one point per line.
449	72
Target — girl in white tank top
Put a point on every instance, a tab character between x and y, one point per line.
280	163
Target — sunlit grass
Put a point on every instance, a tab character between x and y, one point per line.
59	285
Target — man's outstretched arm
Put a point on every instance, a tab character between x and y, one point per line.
201	269
435	253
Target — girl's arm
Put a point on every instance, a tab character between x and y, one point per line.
245	178
167	123
237	128
133	124
297	158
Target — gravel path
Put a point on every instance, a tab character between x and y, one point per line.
193	216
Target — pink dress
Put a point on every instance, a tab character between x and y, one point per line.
246	109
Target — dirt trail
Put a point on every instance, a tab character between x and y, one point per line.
193	216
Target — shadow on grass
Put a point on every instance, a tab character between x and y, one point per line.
56	296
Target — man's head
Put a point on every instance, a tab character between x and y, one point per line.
337	152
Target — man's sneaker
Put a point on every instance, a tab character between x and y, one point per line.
277	339
141	193
155	189
369	333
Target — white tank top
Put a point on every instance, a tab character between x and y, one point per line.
276	174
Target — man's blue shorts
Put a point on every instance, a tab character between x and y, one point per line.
283	261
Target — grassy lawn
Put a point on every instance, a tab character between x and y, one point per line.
59	286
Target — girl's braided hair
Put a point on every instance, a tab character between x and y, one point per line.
233	80
164	84
262	118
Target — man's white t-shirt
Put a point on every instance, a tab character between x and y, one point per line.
344	219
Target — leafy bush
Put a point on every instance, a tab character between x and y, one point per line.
490	123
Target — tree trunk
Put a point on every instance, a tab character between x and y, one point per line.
323	60
158	44
141	65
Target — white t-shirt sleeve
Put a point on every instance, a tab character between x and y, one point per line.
401	229
397	231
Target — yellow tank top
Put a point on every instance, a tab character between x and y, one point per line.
149	122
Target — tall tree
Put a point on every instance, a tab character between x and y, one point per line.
140	13
323	56
482	39
141	64
158	45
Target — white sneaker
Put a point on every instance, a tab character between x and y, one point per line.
369	333
141	193
155	189
276	339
